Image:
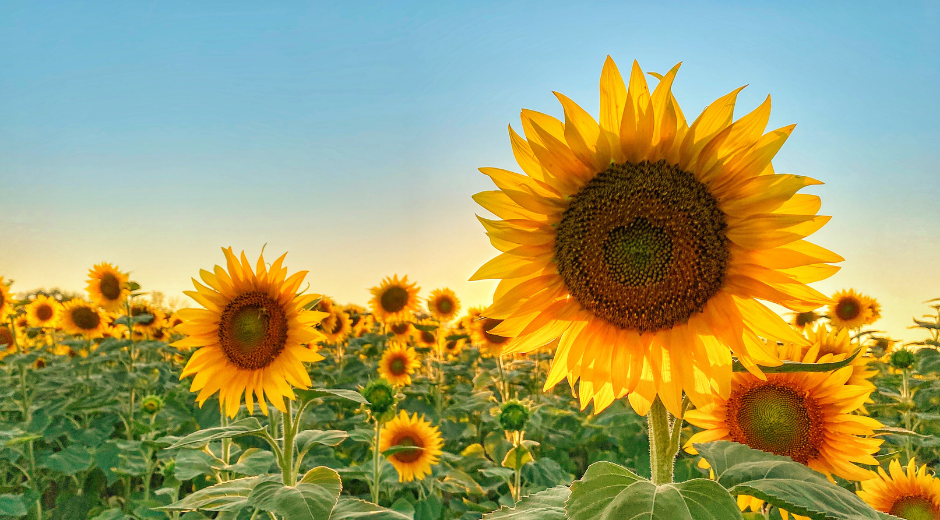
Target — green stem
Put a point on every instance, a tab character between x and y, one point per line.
661	460
375	462
502	379
517	471
226	442
287	452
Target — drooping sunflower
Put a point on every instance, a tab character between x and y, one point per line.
340	326
836	342
643	243
43	312
806	416
443	304
849	309
394	300
398	363
251	334
148	326
481	333
400	331
107	287
82	318
912	494
6	304
412	431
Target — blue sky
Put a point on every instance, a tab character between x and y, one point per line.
150	134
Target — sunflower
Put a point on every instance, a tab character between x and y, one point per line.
806	416
425	338
452	347
172	320
880	347
43	312
6	303
394	300
356	315
801	320
400	331
849	309
473	314
910	494
482	336
643	243
147	327
340	327
836	342
107	287
7	341
325	305
398	363
875	308
82	318
251	334
413	431
443	304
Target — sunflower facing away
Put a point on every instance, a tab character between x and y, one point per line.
643	243
83	319
251	334
6	305
398	363
806	416
43	312
443	304
107	287
910	494
411	431
394	300
849	309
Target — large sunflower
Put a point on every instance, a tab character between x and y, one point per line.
443	304
411	431
642	242
252	334
43	312
83	318
398	363
6	304
394	300
107	287
849	309
806	416
911	494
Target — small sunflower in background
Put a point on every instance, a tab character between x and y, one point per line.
806	416
6	304
83	319
251	334
325	305
398	363
400	331
912	494
394	300
490	344
849	309
150	325
452	347
875	308
473	315
340	326
107	287
443	304
838	344
425	338
802	320
43	312
412	431
172	320
7	341
356	315
880	347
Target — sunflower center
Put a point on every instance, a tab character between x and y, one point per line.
252	330
643	246
397	366
399	328
110	286
806	318
848	309
85	318
394	299
427	337
408	455
915	508
489	324
775	418
445	305
44	312
337	327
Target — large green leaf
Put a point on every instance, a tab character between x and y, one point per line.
12	505
796	366
192	463
780	481
227	496
202	437
253	462
307	438
73	459
545	505
348	508
611	492
312	498
313	393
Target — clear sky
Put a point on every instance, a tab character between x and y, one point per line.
150	134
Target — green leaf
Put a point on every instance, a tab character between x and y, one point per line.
307	438
312	498
517	457
400	449
252	462
73	459
348	508
12	505
227	496
111	514
199	439
783	483
314	393
794	366
192	463
425	327
545	505
928	360
611	491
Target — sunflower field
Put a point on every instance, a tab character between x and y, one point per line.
628	366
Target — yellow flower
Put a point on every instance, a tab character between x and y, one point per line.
849	309
801	320
911	494
6	303
7	342
107	287
838	344
83	318
806	416
398	363
251	334
394	300
147	327
482	336
443	304
644	244
452	347
356	321
413	431
401	331
340	326
875	309
43	312
425	338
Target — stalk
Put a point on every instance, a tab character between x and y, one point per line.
375	462
661	460
287	452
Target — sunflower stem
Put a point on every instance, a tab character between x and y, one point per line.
661	456
375	461
226	442
287	451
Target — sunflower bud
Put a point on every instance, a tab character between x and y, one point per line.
381	396
151	404
905	405
902	359
513	416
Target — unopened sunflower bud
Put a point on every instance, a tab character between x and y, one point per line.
902	359
151	404
513	416
381	396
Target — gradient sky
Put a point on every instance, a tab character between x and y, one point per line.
150	134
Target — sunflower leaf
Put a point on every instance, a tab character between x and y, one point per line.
348	508
312	498
544	505
794	366
314	393
401	449
199	439
227	496
425	327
